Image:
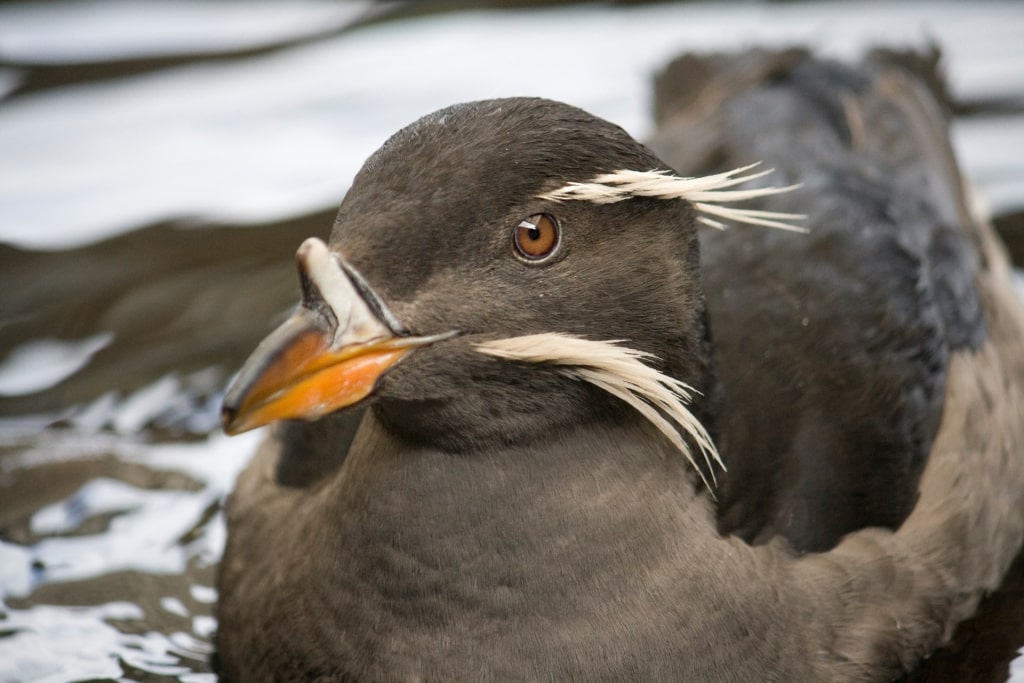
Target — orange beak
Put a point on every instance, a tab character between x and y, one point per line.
310	366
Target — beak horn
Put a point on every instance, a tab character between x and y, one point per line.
328	355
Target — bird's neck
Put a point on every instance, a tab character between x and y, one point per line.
583	480
539	540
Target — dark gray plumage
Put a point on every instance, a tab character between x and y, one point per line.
491	519
841	338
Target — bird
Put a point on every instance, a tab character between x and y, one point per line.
560	405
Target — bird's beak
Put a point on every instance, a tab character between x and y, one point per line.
328	355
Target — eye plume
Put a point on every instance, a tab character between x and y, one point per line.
622	372
706	193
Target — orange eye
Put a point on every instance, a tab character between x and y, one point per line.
536	237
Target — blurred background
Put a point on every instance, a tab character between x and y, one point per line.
160	161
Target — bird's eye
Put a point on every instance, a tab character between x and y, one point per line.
536	238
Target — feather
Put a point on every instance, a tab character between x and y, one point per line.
622	372
706	193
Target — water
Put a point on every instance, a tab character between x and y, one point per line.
109	551
160	162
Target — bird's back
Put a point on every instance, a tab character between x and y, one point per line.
833	346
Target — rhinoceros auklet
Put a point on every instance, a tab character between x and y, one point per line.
535	426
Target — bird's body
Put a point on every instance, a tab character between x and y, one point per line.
497	517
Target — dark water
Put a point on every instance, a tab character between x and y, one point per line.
159	164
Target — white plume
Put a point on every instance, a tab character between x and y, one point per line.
622	372
706	193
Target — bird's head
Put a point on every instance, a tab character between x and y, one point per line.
497	270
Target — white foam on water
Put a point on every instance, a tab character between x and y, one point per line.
56	644
76	31
282	134
146	526
60	643
44	363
